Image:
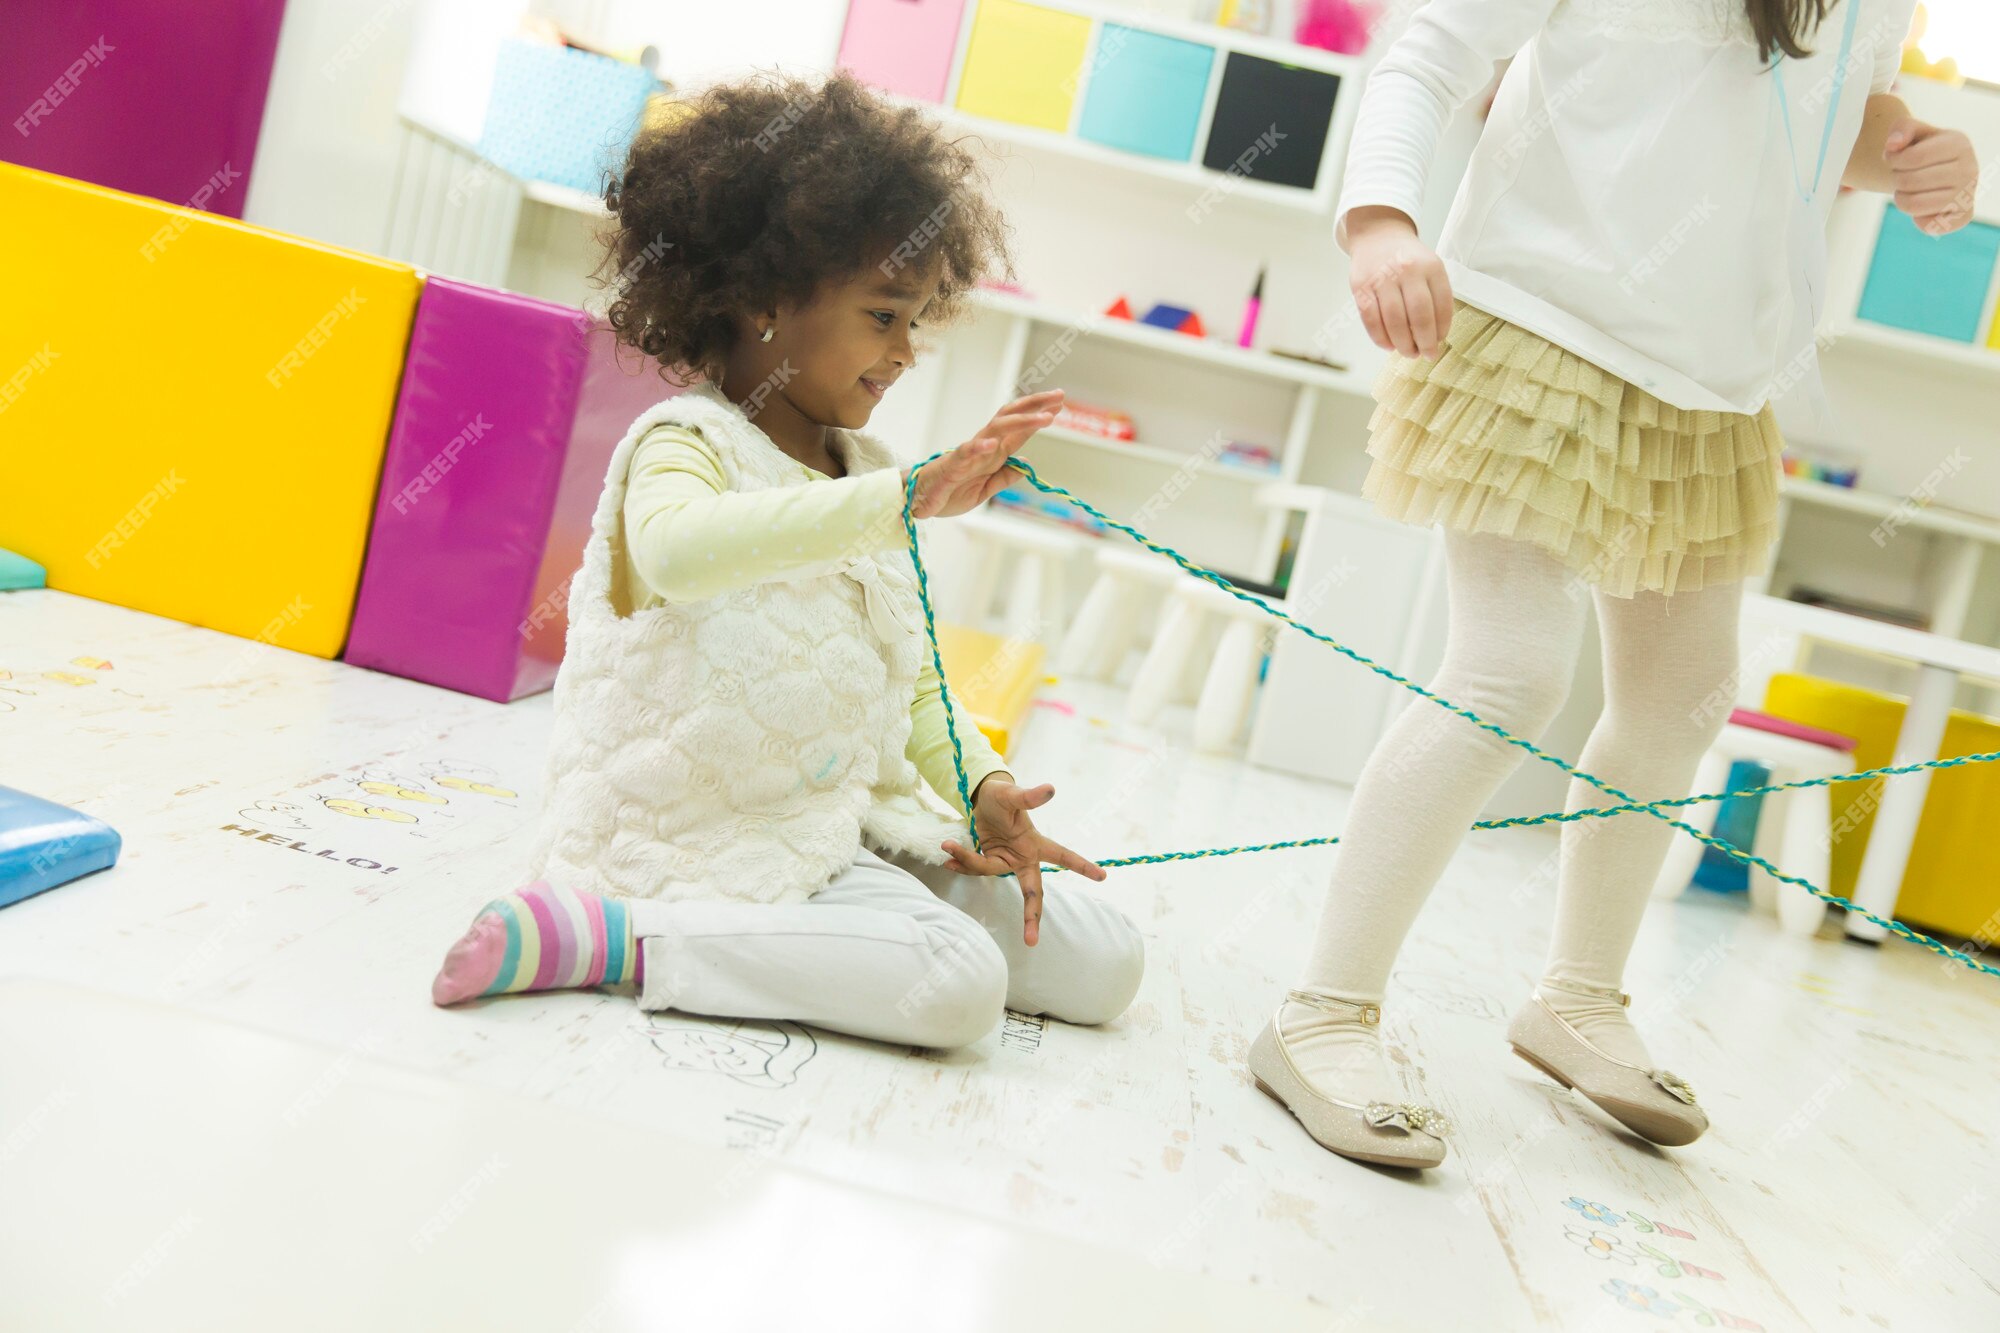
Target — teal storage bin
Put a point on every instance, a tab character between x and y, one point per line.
1145	92
1736	824
1930	284
563	116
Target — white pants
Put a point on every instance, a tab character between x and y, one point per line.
894	950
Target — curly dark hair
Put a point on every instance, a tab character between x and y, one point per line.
758	192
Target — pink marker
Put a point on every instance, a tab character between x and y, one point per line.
1251	309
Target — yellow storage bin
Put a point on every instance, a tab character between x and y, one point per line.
1023	64
193	410
992	678
1952	883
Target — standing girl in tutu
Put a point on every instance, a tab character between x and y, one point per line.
1579	394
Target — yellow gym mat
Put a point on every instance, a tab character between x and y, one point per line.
193	410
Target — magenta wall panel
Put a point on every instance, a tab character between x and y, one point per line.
507	415
156	99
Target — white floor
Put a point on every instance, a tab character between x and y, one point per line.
302	841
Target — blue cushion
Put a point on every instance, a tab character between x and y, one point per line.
1930	284
1145	92
43	844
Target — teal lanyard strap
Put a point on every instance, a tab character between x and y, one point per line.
1853	8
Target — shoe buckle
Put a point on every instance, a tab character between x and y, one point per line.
1370	1014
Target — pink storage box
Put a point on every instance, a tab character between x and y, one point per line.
507	416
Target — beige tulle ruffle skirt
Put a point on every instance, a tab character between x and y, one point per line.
1507	433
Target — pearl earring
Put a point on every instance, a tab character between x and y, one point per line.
766	335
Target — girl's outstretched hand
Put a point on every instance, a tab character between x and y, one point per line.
1010	844
970	475
1399	283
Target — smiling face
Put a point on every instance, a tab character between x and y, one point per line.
831	360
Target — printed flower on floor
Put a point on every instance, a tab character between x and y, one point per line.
1600	1245
1593	1212
1641	1298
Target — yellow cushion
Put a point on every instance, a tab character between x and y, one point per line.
193	410
992	678
1952	882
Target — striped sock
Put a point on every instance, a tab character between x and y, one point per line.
541	938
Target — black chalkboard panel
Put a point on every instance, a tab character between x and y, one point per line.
1257	94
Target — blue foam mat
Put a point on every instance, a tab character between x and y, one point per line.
43	844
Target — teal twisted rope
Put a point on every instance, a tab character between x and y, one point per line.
1628	803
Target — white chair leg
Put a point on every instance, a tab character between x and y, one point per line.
1083	647
1025	600
1684	853
982	581
1808	853
1770	844
1114	643
1049	611
1160	672
1225	695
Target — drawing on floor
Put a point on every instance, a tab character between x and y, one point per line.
763	1055
1600	1233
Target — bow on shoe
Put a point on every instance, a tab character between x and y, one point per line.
1407	1116
1674	1084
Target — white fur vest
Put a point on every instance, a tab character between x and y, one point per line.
744	746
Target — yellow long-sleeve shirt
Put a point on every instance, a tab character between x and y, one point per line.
688	536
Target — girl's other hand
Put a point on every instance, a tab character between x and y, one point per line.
1399	283
970	475
1010	844
1936	174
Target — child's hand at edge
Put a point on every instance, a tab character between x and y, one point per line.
970	475
1936	174
1012	845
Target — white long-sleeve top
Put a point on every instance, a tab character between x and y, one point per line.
1633	196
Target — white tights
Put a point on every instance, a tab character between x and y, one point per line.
1515	629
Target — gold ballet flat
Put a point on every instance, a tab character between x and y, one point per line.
1656	1104
1385	1133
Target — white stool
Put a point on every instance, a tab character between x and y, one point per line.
1230	681
1794	828
1127	581
1036	601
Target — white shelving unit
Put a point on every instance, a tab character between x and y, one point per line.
1294	386
1193	173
